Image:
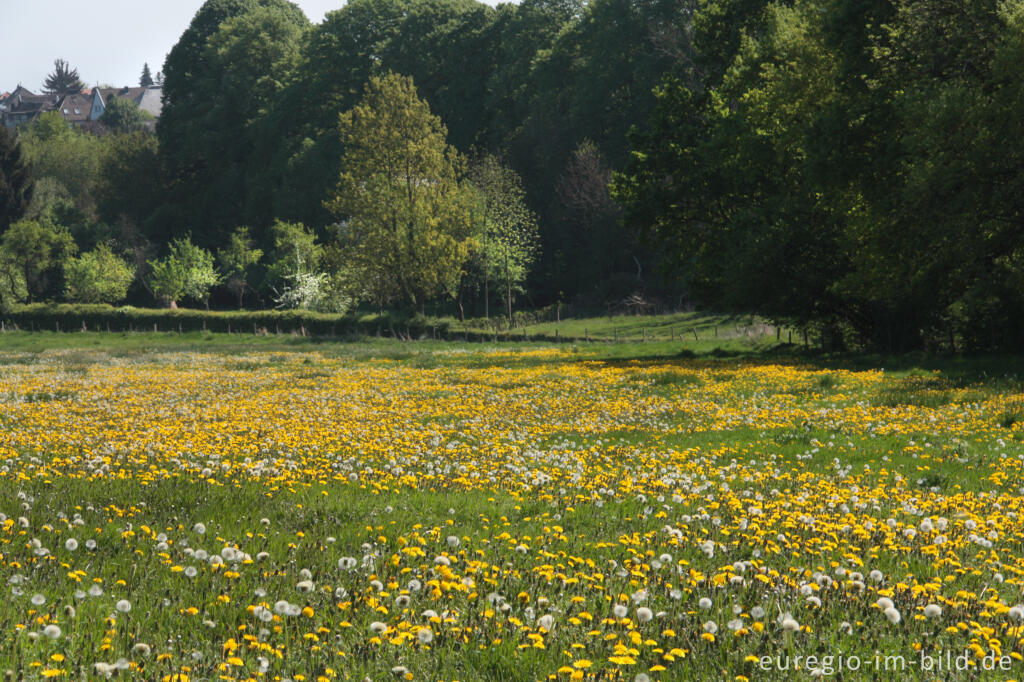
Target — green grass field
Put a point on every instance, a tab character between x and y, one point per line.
213	507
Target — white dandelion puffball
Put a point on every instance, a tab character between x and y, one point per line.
892	615
199	528
933	611
547	621
619	611
51	631
124	606
790	625
644	614
705	603
71	544
425	635
378	628
38	599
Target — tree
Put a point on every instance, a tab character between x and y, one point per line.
98	276
146	79
231	61
31	252
15	180
186	272
509	240
123	115
71	157
237	261
407	217
295	250
130	180
63	79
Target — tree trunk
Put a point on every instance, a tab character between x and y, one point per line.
508	291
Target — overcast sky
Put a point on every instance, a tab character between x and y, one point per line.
106	40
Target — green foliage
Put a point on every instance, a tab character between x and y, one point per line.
146	79
508	239
848	165
131	180
15	180
68	156
234	57
123	115
31	252
98	276
186	272
237	262
407	222
62	79
296	251
71	317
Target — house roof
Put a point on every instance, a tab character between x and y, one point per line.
75	108
149	99
19	102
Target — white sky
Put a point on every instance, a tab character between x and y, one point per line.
106	40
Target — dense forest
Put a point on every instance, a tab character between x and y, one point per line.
850	166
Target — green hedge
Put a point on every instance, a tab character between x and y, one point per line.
69	317
79	317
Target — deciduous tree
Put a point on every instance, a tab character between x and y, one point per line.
97	276
407	216
237	262
15	180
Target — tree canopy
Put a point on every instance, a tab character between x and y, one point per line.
63	79
15	180
406	215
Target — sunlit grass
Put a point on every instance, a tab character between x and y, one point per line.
253	509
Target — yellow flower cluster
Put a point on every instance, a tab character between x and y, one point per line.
497	515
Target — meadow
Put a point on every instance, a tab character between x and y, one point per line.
199	509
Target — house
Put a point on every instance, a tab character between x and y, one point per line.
78	109
149	99
75	108
23	105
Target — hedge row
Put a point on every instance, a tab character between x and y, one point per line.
78	317
67	317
